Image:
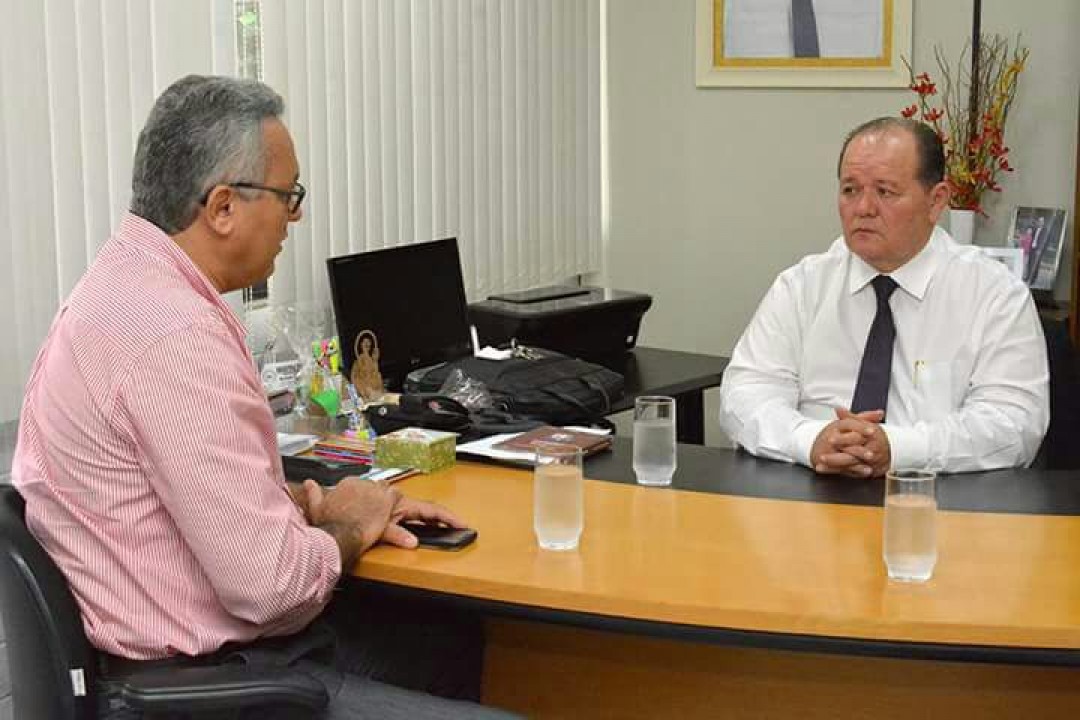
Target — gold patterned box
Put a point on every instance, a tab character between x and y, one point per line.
425	450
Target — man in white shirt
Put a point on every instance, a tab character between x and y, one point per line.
896	348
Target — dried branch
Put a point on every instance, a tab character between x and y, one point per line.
970	118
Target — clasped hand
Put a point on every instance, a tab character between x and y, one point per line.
370	511
854	445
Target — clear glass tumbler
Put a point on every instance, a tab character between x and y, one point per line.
654	439
910	544
558	496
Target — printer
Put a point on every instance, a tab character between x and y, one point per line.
580	321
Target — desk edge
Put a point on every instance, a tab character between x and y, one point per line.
993	654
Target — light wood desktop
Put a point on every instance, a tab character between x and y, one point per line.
701	604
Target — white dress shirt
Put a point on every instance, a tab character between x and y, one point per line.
970	381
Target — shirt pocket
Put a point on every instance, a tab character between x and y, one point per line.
934	389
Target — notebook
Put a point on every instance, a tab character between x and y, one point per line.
590	443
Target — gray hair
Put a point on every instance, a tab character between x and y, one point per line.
931	151
202	131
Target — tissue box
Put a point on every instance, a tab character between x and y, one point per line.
425	450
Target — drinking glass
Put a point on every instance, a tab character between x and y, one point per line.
654	439
910	545
558	496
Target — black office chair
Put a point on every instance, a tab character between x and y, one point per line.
1060	449
54	668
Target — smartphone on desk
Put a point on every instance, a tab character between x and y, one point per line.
440	537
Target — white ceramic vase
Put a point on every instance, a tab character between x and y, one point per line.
962	225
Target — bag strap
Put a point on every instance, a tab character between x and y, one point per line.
573	402
598	387
491	421
593	419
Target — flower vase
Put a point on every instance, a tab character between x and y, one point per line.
962	225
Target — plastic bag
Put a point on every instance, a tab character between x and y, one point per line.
470	392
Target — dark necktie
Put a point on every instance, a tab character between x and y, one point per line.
872	387
804	35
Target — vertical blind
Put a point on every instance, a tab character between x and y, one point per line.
413	119
77	79
422	119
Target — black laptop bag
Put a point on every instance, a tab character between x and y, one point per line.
535	383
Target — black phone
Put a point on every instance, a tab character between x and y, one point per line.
440	536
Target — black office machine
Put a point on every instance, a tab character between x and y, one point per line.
586	322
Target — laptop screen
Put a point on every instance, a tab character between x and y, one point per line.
412	298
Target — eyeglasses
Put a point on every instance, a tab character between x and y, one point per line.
293	197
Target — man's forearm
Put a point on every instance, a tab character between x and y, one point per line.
349	543
764	424
972	439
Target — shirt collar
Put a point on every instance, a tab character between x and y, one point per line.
148	237
913	277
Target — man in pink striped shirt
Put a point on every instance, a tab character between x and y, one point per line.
147	453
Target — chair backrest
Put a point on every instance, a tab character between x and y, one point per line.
50	659
1060	450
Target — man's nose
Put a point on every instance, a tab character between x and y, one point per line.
866	204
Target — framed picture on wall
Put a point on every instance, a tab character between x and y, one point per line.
803	43
1038	233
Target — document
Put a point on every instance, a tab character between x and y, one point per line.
293	444
487	447
589	442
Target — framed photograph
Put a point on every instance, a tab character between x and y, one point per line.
803	43
1010	257
1038	233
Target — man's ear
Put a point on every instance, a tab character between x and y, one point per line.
939	200
220	209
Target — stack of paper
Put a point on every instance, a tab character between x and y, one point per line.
589	443
290	444
496	446
345	448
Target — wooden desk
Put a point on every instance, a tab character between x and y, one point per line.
691	602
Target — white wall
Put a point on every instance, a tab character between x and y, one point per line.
713	191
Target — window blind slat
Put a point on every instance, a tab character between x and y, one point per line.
77	79
472	118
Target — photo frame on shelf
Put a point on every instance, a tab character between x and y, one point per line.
1010	257
802	43
1039	234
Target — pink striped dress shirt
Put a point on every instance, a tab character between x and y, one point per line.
148	458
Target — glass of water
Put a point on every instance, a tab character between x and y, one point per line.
558	496
910	544
654	439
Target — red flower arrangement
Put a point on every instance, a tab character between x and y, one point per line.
970	115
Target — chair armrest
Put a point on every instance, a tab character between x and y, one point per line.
220	687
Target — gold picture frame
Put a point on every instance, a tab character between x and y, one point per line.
885	27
